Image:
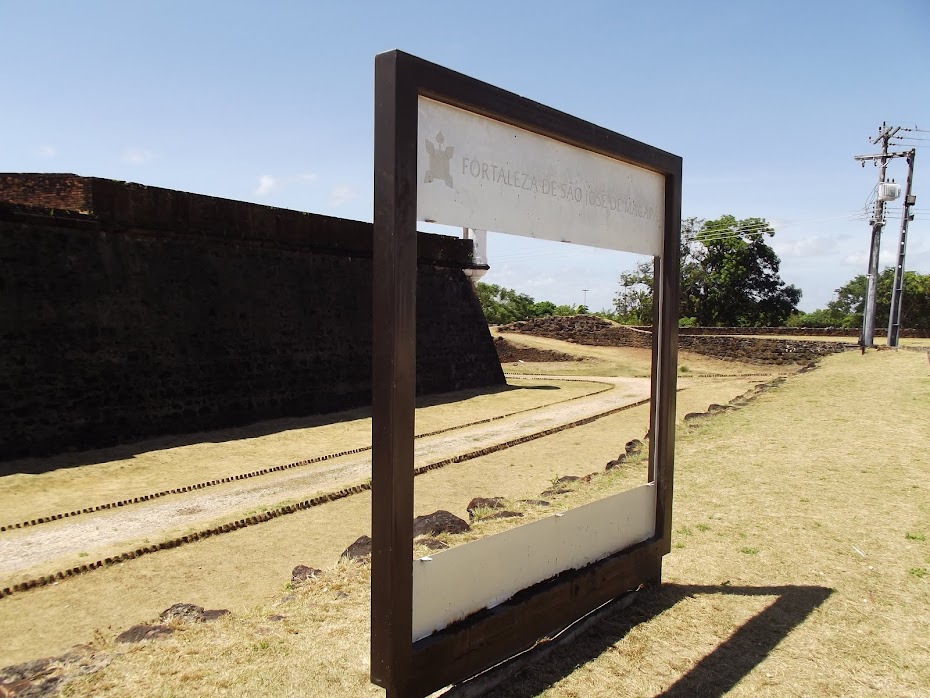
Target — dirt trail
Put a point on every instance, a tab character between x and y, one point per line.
28	548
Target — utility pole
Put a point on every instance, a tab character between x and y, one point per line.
585	292
897	291
878	222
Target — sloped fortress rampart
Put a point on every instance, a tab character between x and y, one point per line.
129	312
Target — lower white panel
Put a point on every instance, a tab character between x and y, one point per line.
453	584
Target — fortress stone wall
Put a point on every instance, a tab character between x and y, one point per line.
129	311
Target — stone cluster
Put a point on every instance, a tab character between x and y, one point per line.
596	331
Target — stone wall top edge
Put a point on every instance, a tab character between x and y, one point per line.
117	205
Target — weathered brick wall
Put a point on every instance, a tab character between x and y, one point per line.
757	350
795	331
111	332
584	329
61	191
593	330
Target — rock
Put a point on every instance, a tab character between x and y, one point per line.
614	464
691	416
190	613
483	503
503	515
276	617
565	479
183	611
587	478
302	573
535	502
43	678
432	543
551	492
138	633
508	352
439	522
633	447
214	614
359	550
27	670
30	689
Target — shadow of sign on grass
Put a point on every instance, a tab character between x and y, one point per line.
715	674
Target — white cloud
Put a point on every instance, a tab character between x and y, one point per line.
539	281
341	194
137	156
815	246
265	184
861	259
48	151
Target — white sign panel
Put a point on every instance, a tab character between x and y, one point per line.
475	172
453	584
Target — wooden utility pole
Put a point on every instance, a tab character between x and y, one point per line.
897	291
878	222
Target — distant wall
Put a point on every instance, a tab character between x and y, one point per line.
156	312
593	330
796	331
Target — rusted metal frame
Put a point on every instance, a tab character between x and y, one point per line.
467	648
488	637
393	374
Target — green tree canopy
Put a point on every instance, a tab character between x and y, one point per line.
502	305
741	284
849	304
729	277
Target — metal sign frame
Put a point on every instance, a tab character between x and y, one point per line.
464	649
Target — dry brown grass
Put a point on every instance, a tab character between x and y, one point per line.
163	464
799	568
821	487
239	570
801	526
315	649
615	361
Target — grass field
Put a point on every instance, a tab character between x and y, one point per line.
254	563
122	472
611	361
800	566
801	562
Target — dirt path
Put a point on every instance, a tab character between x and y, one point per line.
28	548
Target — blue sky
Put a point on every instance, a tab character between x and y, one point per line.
767	102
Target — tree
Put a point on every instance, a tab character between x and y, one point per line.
729	277
544	309
849	303
633	302
742	287
818	318
502	305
